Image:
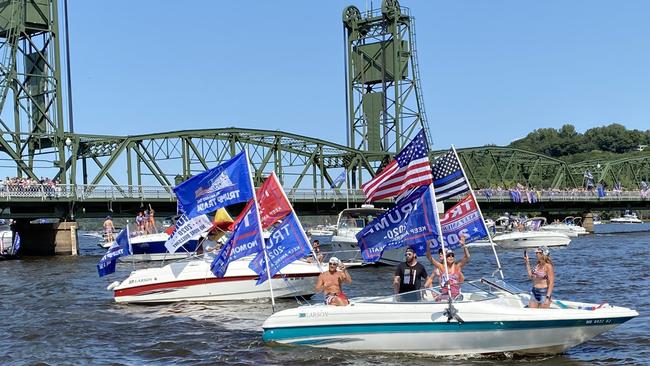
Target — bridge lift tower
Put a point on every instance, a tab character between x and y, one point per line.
31	101
385	108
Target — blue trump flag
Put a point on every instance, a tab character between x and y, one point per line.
227	184
410	223
339	180
16	246
462	219
286	244
121	247
246	239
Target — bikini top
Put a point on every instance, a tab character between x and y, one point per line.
539	273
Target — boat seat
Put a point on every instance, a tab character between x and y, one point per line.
476	296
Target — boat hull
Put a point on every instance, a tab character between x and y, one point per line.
192	280
422	328
533	239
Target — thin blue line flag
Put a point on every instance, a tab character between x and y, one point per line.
224	185
410	223
246	239
286	244
121	247
448	177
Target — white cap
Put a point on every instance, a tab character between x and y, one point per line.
334	260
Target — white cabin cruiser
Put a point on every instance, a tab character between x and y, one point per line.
350	222
628	218
151	247
567	227
531	239
488	317
192	280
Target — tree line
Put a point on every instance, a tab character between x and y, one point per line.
571	146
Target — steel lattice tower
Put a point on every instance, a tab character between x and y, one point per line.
385	106
30	82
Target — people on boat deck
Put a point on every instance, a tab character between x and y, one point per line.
108	229
409	274
317	252
452	276
152	221
330	283
139	222
543	277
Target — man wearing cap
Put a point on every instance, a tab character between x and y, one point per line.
330	283
409	274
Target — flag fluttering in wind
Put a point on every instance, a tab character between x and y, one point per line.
409	169
121	247
448	177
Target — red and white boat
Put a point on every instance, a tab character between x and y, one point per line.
192	280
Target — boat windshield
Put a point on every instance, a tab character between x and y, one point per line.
469	291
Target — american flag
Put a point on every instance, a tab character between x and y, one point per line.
409	169
448	178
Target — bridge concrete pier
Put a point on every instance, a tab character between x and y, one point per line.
588	222
47	239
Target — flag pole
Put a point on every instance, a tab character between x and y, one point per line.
259	228
471	191
302	230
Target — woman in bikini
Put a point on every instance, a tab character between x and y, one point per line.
454	268
543	278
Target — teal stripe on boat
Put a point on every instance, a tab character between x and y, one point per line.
278	334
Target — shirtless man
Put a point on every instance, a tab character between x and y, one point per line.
330	283
108	229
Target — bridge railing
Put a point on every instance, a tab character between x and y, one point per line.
115	193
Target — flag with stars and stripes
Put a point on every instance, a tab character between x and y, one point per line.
448	177
409	169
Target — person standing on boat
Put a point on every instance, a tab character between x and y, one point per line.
409	274
317	252
330	283
452	275
108	229
543	277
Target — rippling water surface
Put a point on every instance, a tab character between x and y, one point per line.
56	310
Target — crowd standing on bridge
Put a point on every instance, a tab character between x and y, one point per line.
522	194
17	185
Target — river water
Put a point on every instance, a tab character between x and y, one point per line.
56	311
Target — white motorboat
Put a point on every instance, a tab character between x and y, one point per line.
350	222
628	218
488	317
531	239
192	280
567	227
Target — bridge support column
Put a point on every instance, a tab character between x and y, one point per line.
588	221
47	239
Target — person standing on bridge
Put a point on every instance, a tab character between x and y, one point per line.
108	229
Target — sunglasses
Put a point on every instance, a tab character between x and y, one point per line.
332	264
450	255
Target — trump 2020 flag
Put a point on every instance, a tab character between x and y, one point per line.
121	247
16	246
286	244
339	180
410	223
462	219
409	169
227	184
246	239
185	229
448	177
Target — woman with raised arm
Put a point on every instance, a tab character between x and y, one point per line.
543	277
453	274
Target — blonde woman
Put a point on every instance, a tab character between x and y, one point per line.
543	278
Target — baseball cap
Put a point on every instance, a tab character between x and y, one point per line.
543	249
334	260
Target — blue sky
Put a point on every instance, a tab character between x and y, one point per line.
491	71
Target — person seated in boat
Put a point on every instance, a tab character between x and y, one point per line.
543	277
317	252
108	229
330	283
409	275
452	276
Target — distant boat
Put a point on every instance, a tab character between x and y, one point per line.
567	227
628	218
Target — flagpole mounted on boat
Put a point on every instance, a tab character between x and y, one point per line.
471	191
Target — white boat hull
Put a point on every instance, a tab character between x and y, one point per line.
192	280
621	220
489	326
531	239
571	231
